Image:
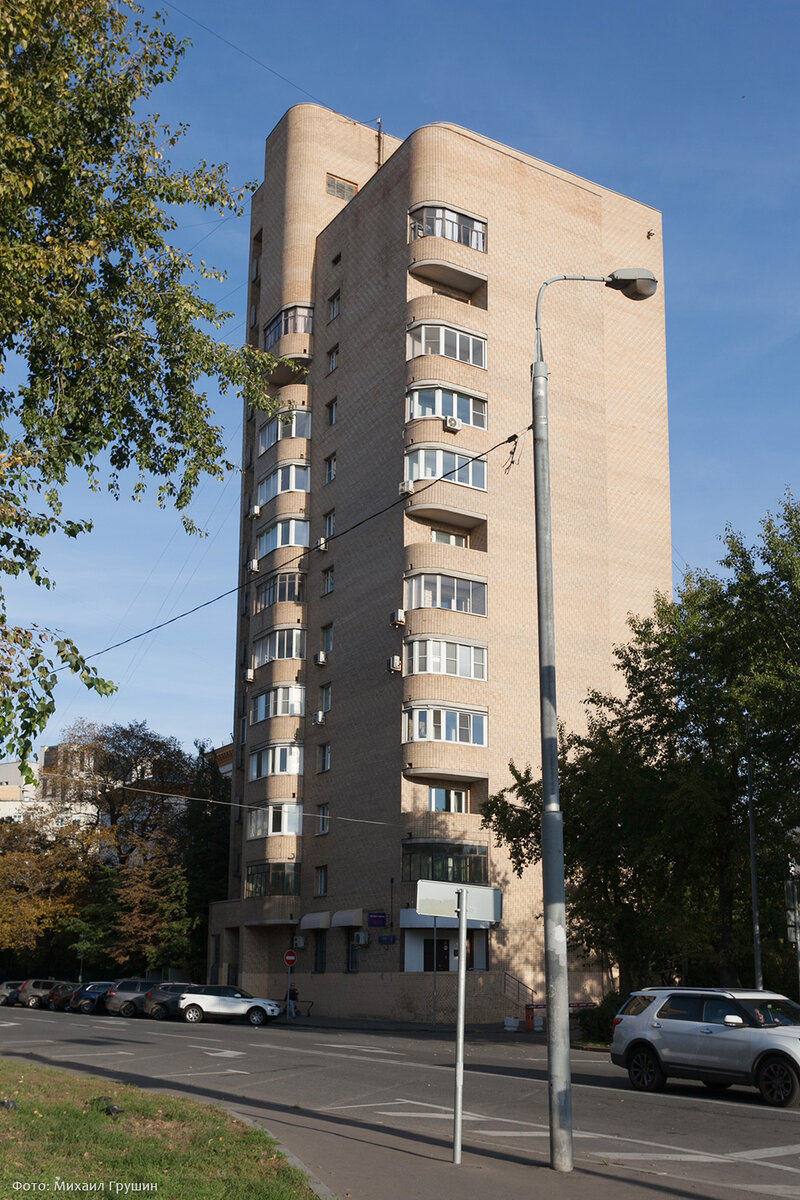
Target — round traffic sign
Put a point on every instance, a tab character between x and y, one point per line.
290	958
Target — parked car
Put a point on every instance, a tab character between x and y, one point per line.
9	991
717	1035
90	997
223	1000
59	997
33	993
161	1002
126	998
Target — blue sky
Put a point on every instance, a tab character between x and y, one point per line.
691	106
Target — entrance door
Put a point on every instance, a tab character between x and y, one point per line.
442	960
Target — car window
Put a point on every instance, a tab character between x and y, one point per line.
635	1005
682	1008
772	1012
716	1010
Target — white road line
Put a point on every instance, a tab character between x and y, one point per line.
773	1152
194	1074
95	1053
368	1049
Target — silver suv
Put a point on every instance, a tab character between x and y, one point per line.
720	1036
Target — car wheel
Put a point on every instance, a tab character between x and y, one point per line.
778	1082
644	1070
34	1002
256	1016
128	1009
158	1013
193	1014
3	1001
86	1007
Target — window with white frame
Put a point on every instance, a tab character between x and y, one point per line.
444	402
280	759
425	462
323	818
327	581
286	700
451	800
281	587
430	590
289	532
298	318
334	306
432	656
437	221
332	410
324	757
326	638
274	820
445	538
321	881
325	697
279	643
330	468
330	523
448	341
291	477
294	423
465	726
333	358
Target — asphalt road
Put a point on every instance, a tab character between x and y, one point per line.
369	1113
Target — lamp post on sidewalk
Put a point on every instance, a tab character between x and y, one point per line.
636	284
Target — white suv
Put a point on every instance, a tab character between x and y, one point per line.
223	1000
720	1036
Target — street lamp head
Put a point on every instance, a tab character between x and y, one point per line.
634	282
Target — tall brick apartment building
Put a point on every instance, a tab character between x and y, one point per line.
387	668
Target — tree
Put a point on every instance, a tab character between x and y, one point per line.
152	925
104	313
205	839
655	792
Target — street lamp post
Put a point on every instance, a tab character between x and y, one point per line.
636	284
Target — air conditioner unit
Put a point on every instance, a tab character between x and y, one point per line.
253	565
298	942
318	717
398	617
453	424
255	511
394	663
361	938
405	487
320	658
249	675
322	543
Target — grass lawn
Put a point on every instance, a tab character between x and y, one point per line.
60	1140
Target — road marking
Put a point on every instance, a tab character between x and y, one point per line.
95	1053
4	1024
368	1049
220	1053
194	1074
773	1152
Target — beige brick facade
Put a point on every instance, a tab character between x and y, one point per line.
406	301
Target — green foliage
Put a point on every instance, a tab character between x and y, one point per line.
596	1023
655	792
105	314
205	840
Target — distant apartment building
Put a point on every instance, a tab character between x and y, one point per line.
17	795
387	663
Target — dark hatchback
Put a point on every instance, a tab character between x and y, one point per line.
90	997
59	997
161	1002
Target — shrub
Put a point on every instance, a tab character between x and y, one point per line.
596	1022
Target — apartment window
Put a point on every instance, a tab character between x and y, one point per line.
253	315
445	538
334	306
342	189
280	759
430	656
279	643
324	757
448	800
443	402
321	881
325	697
330	468
291	532
272	879
449	342
327	638
285	586
464	726
433	221
327	581
446	591
332	410
431	463
333	358
275	820
291	424
297	319
330	523
293	477
323	818
287	700
451	862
